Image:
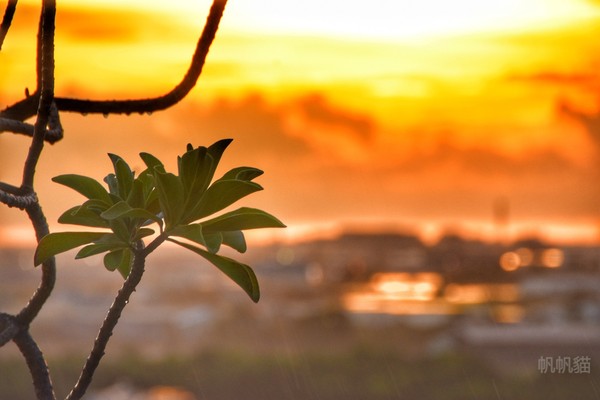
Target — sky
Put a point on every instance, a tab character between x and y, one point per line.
429	116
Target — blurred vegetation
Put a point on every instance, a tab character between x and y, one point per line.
362	372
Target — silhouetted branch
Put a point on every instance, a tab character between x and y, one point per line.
8	328
111	320
46	42
164	101
11	125
37	301
28	347
53	134
26	108
37	365
22	109
21	201
9	13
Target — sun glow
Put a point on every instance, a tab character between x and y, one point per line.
405	19
381	19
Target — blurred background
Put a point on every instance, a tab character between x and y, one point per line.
436	165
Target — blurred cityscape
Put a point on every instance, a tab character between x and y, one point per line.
509	305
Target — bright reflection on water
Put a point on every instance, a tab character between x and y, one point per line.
424	293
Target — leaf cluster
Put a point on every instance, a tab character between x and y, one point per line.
181	206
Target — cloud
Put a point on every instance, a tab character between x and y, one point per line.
589	120
84	25
578	79
316	110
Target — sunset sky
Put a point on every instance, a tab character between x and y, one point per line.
364	115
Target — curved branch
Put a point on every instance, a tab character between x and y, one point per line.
37	301
53	134
106	331
14	126
37	365
26	108
46	44
20	201
9	13
8	328
167	100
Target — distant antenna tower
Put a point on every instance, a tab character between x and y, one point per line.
501	210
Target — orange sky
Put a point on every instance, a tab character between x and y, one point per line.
408	114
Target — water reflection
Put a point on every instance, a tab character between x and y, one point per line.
402	294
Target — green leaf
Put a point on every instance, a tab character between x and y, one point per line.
97	248
137	197
56	243
111	181
193	168
124	175
241	219
142	233
124	266
242	174
240	273
153	163
191	232
95	206
120	229
222	194
213	241
216	151
113	259
170	197
86	186
79	215
235	240
123	210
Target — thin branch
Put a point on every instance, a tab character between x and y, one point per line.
11	125
37	301
53	134
20	201
22	109
25	108
8	328
46	43
106	331
167	100
37	365
9	13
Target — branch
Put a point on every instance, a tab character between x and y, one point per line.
46	44
37	301
111	320
21	201
25	108
37	365
8	328
9	13
53	134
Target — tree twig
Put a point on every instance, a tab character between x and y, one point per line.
8	328
9	13
44	290
106	331
37	365
25	108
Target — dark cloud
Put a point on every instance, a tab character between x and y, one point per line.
316	109
590	121
579	79
89	25
258	128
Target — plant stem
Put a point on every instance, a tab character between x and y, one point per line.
111	320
